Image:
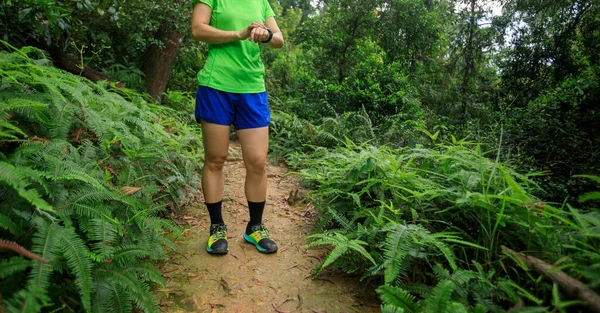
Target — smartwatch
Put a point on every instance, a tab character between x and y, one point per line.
270	36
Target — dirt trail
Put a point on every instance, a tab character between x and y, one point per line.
245	280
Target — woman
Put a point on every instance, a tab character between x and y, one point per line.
232	91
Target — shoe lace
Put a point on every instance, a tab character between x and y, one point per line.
262	230
218	231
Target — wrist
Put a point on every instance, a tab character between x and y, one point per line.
270	36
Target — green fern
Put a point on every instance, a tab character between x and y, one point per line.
31	300
341	245
13	265
10	131
110	297
46	245
103	235
397	247
399	298
78	260
138	291
7	223
439	300
129	253
63	184
391	309
18	179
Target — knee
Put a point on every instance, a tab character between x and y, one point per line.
257	165
214	163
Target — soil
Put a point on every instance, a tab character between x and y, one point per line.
245	280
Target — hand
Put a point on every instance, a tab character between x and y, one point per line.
259	34
254	32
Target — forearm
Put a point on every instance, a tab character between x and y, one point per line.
277	41
209	34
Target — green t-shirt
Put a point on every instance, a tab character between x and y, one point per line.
235	66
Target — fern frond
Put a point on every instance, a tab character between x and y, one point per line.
146	272
341	245
30	300
139	291
398	297
19	104
129	253
78	259
456	307
103	235
419	289
8	224
8	130
13	265
397	246
439	299
388	308
110	297
46	245
446	251
18	179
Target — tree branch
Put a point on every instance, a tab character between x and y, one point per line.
571	286
70	64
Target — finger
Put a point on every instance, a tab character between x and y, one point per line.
259	25
254	35
257	34
263	35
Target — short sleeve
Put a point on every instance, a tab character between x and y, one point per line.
207	2
267	10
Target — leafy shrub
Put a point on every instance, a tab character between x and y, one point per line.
430	222
559	131
85	180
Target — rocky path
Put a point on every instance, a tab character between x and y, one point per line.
245	280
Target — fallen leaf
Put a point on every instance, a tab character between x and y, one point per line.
130	190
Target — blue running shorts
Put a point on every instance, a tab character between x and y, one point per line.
243	110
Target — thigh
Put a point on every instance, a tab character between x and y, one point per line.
255	144
214	106
216	141
251	111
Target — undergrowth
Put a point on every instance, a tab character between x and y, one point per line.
86	179
427	220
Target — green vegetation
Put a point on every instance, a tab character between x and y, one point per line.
87	178
423	217
431	134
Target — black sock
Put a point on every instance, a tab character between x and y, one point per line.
256	211
214	210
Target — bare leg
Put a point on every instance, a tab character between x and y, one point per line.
216	147
255	145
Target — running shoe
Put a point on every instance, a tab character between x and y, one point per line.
217	242
259	236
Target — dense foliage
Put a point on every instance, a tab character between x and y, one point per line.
86	178
371	99
430	221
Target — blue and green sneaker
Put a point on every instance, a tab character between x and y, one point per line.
259	236
217	242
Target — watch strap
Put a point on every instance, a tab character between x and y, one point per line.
270	36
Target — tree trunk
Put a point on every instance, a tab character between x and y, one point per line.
158	62
71	64
469	55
